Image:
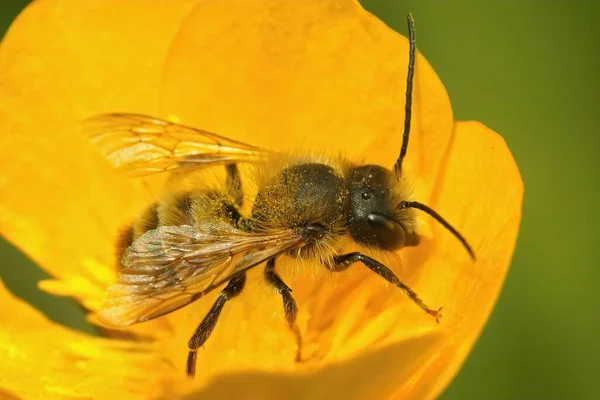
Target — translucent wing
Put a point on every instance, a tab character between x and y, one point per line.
140	144
171	266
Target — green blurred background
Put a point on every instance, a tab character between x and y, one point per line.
528	69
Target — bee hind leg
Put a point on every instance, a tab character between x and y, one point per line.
203	331
289	304
342	262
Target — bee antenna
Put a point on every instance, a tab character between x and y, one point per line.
409	87
438	218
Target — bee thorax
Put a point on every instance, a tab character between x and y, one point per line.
308	197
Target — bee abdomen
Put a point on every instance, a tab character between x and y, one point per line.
179	210
146	221
187	208
125	239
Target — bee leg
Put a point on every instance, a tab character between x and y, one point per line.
289	304
234	184
342	262
203	331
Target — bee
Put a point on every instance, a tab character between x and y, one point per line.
188	245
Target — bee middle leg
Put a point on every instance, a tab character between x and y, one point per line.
342	262
290	307
203	331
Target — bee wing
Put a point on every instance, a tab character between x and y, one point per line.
141	145
171	266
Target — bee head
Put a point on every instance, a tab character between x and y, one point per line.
375	217
378	215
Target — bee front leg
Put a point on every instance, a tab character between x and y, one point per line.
203	331
342	262
234	184
289	304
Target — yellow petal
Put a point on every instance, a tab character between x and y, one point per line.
316	74
43	360
481	192
322	74
60	62
352	380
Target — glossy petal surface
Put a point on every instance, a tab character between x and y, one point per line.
315	75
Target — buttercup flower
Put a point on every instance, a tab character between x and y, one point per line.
319	73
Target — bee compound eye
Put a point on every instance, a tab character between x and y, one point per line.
388	233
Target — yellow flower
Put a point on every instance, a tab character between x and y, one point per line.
274	73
